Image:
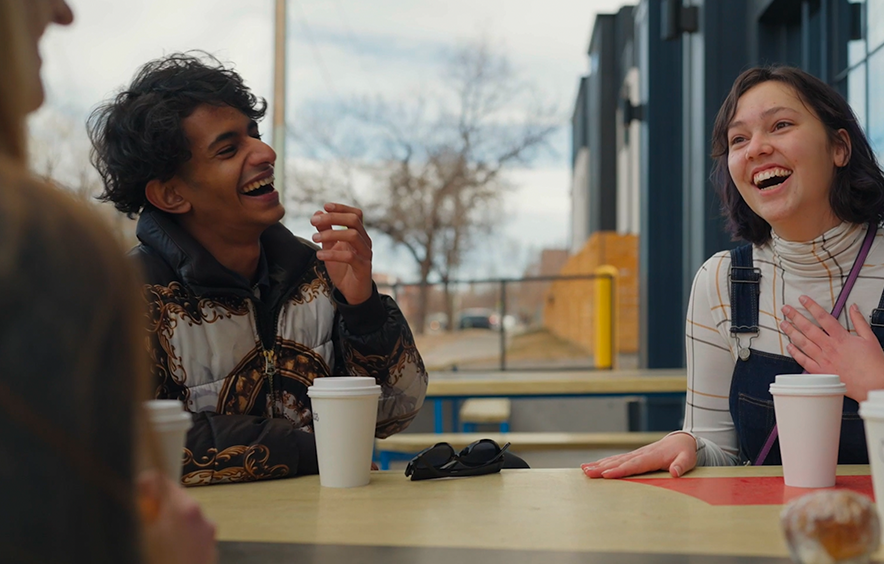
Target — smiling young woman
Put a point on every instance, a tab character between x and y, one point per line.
782	161
798	181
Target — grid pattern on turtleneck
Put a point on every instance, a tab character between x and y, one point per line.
815	268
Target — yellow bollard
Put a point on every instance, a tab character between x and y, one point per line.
605	315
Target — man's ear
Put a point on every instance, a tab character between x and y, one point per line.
165	197
842	148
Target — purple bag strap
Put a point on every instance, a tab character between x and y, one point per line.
836	311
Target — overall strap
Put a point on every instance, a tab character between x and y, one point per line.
745	282
877	321
836	311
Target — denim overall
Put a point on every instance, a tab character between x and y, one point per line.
751	404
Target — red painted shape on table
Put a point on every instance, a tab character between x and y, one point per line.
767	490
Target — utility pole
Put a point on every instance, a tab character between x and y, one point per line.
279	128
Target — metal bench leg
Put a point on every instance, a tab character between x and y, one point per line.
437	412
385	460
505	427
455	415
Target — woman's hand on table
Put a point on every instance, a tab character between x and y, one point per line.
830	349
174	529
675	453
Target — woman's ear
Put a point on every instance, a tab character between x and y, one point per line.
842	148
165	196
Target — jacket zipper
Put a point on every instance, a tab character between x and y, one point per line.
270	354
269	371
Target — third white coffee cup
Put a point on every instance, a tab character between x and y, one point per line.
345	410
170	423
872	412
808	411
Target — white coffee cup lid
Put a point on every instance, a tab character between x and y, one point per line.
343	386
343	382
164	407
875	396
807	384
873	406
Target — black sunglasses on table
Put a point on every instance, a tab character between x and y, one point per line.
441	461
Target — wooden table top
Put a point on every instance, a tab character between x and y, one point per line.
557	510
591	382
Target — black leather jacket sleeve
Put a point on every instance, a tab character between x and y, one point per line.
374	340
242	448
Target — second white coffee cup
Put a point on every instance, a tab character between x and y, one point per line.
808	411
170	423
345	410
872	412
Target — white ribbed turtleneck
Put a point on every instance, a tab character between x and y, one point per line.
789	269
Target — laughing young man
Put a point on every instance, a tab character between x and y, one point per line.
243	315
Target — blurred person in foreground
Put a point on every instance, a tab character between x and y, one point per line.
799	181
243	314
75	374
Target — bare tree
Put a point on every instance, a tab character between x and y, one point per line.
429	172
58	150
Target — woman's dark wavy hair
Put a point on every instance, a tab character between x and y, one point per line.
137	136
857	193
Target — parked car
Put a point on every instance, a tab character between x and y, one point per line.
478	318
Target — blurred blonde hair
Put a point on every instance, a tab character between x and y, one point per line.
73	378
74	369
13	69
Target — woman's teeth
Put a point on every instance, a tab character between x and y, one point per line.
771	177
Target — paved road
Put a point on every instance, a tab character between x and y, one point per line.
464	346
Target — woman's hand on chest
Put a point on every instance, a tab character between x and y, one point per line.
830	349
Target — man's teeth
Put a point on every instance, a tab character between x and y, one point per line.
257	184
761	178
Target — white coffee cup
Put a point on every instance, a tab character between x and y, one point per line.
345	411
808	410
170	423
872	412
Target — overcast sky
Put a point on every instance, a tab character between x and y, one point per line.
341	48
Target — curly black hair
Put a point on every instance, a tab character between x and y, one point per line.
137	136
857	193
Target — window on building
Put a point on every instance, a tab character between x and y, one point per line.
856	92
875	127
856	47
875	23
865	73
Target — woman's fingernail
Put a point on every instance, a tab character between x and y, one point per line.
677	470
803	300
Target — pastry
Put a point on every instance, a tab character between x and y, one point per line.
831	526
